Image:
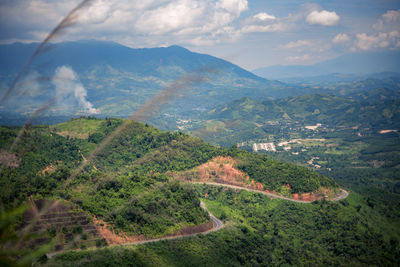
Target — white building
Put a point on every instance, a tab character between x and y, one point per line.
264	146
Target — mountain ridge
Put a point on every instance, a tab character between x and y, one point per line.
361	63
118	79
103	52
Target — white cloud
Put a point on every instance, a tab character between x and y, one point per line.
264	22
276	27
120	19
324	18
98	12
392	16
35	13
394	34
174	16
185	22
307	46
299	58
341	38
388	21
147	23
264	16
235	7
297	44
380	40
385	36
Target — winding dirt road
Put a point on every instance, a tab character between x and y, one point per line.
343	194
217	225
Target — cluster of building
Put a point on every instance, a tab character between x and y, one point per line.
264	146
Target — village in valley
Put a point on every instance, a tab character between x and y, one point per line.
318	146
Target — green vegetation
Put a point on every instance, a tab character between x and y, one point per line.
264	232
119	80
349	144
246	119
138	207
127	184
79	128
273	174
128	187
131	199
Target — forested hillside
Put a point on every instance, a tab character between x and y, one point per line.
263	232
126	185
128	188
352	138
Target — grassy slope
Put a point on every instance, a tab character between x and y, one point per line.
78	128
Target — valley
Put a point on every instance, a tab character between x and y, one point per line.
345	138
234	166
138	193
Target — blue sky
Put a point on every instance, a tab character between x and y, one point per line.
250	33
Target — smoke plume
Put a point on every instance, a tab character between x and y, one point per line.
68	85
68	21
147	110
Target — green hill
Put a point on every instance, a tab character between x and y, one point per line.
134	162
309	109
127	188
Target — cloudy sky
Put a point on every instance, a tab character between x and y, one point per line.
250	33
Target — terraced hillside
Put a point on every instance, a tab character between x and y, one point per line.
58	221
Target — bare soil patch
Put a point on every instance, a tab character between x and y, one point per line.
112	238
222	170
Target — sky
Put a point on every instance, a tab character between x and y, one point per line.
249	33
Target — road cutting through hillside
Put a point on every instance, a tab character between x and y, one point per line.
343	194
217	225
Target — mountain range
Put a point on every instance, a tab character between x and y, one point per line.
356	64
106	79
117	80
115	181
